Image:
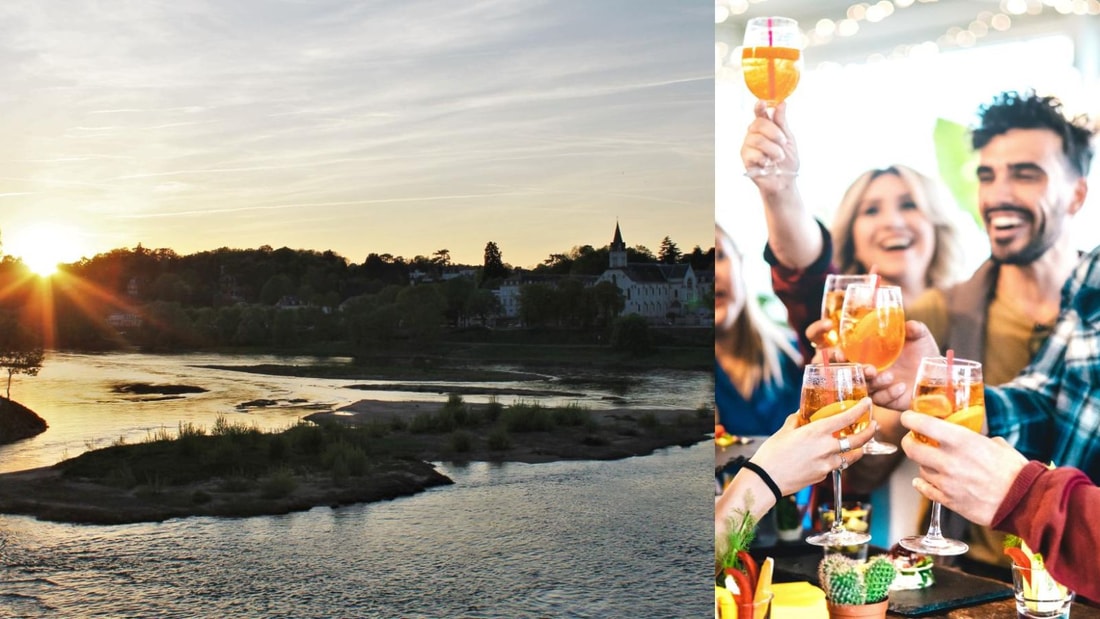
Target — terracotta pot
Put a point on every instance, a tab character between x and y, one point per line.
860	611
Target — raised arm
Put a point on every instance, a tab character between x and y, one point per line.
793	233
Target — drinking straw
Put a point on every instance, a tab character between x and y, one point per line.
873	273
771	64
951	377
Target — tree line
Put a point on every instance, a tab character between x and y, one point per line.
265	297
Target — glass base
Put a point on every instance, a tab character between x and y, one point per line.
770	171
842	537
933	545
875	448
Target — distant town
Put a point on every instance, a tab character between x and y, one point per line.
284	298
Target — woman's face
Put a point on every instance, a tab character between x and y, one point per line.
729	286
890	231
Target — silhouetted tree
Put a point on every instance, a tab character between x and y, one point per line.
493	267
669	253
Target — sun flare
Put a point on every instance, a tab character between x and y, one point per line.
42	247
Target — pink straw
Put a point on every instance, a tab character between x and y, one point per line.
951	377
874	285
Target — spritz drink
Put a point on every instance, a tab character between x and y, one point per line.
829	390
832	301
952	390
771	73
872	325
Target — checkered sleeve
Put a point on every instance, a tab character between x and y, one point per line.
1051	411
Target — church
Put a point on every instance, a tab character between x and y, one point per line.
661	293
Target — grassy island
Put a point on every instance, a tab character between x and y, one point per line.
367	452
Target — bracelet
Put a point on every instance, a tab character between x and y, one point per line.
762	474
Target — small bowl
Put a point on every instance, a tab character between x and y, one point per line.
909	578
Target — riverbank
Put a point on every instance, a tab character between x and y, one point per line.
384	448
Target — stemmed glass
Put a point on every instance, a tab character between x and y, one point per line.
829	389
872	331
771	62
951	389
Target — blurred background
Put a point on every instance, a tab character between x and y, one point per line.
879	77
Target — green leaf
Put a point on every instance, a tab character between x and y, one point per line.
958	164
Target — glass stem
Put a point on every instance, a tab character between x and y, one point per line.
934	533
837	513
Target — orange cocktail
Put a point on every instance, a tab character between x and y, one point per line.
872	325
771	73
959	399
832	301
828	391
953	390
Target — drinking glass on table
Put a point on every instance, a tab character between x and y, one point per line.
953	390
827	390
871	330
771	63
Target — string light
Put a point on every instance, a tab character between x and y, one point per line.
827	30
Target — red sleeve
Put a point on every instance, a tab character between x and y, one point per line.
801	290
1056	512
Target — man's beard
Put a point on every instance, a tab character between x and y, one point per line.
1036	246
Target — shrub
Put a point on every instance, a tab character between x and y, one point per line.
527	418
499	440
461	442
493	410
572	415
279	484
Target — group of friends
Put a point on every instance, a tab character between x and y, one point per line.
1030	314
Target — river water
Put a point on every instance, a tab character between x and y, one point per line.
628	538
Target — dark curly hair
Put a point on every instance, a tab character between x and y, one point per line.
1012	110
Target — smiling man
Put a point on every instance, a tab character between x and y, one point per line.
1032	173
1032	180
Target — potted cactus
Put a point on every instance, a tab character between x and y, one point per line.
854	589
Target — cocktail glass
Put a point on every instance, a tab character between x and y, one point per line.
953	390
827	390
872	331
771	63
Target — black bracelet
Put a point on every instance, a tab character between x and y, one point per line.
760	472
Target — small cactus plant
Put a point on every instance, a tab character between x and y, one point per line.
847	582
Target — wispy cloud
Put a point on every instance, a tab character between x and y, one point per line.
452	123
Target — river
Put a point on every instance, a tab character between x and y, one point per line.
628	538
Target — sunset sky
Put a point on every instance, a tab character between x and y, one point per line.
389	126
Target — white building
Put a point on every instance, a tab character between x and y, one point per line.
658	292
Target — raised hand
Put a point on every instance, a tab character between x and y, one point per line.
893	387
770	139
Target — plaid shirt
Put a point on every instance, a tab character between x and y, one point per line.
1051	411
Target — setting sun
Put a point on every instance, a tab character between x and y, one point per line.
42	247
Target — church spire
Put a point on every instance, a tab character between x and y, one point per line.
617	251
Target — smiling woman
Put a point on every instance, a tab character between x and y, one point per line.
42	246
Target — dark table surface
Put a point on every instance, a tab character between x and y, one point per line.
956	594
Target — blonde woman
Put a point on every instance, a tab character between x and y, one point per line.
757	371
893	218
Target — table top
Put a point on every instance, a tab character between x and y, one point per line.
956	594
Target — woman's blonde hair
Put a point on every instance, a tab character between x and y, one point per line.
755	340
929	197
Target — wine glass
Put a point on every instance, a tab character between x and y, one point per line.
872	331
829	389
832	301
771	62
953	390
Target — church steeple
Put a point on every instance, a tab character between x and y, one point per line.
618	250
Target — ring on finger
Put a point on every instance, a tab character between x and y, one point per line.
845	446
843	462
